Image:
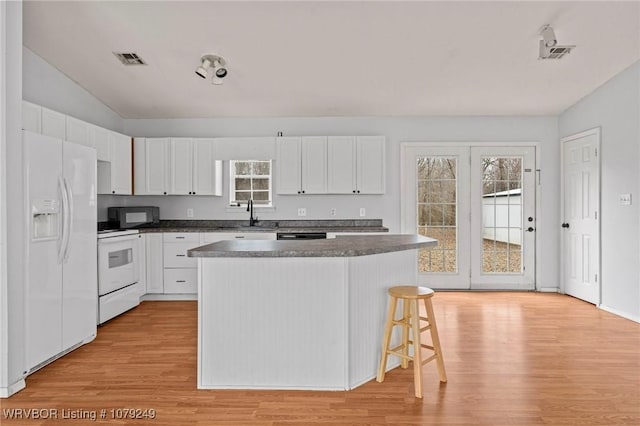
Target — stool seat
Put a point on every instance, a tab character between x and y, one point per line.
410	321
410	292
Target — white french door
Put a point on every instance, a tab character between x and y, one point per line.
479	203
581	224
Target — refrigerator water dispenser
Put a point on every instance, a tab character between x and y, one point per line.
45	219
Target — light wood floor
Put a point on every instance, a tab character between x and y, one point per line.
511	359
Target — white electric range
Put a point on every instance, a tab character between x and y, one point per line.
119	288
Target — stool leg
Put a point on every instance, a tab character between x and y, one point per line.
435	339
417	353
391	313
406	317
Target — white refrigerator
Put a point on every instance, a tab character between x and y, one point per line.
61	276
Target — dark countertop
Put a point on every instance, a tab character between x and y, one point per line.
341	246
335	225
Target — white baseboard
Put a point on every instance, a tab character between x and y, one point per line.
169	297
626	315
549	290
13	388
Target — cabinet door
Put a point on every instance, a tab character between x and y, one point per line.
314	164
142	264
120	164
100	141
53	123
31	117
78	132
154	266
288	168
157	165
370	165
207	172
341	165
181	165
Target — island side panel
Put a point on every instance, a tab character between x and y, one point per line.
275	323
369	278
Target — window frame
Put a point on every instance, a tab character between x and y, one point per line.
233	203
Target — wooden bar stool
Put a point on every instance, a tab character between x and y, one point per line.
411	296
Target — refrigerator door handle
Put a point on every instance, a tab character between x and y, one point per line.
69	217
65	215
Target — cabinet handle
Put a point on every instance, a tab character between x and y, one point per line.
358	191
303	192
239	236
354	191
113	192
298	192
179	238
165	192
180	281
194	192
180	255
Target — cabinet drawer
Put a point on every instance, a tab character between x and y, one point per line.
175	255
181	280
181	237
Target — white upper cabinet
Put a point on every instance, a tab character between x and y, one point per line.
78	132
31	117
341	177
151	166
288	165
370	164
176	166
207	171
356	164
53	124
120	164
301	165
181	166
100	140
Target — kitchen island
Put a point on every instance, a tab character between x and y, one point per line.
297	314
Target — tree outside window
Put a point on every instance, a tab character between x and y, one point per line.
250	179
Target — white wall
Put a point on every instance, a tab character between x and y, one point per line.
615	107
12	238
387	207
44	85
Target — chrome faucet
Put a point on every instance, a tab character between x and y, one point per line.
252	220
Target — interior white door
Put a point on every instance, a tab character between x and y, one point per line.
503	218
436	204
581	223
80	263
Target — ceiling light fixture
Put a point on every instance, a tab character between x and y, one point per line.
548	36
549	47
219	65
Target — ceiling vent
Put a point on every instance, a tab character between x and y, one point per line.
129	58
555	52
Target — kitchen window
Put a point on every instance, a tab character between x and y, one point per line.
250	179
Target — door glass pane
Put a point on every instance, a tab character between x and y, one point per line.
437	213
502	215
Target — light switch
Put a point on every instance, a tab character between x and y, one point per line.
624	199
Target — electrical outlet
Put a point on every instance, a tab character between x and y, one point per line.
363	212
302	211
333	211
625	199
189	212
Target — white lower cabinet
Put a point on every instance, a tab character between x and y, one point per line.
167	271
180	280
154	264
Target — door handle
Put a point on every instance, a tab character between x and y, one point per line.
530	229
565	225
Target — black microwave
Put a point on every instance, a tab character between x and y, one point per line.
132	217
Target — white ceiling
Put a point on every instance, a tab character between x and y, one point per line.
328	58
